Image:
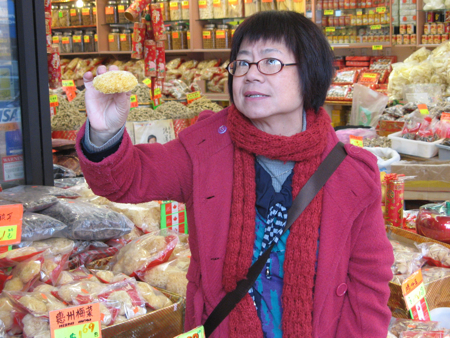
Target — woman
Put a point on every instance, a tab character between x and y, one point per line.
239	170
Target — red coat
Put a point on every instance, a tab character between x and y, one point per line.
355	256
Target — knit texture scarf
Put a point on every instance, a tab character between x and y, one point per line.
305	149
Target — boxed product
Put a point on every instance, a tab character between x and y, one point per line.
173	216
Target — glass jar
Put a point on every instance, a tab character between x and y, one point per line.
125	40
185	10
220	9
168	41
64	18
96	42
209	36
205	9
55	16
252	7
179	37
56	39
86	15
111	14
175	10
222	37
94	13
267	5
235	9
77	42
89	41
285	5
121	8
188	38
114	40
75	16
165	9
232	30
66	42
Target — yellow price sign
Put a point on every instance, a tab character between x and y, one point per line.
359	12
328	12
381	10
193	96
198	332
147	82
54	101
157	93
371	11
423	109
330	29
356	141
77	321
68	83
377	47
374	27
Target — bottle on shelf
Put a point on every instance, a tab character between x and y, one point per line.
168	41
64	17
55	16
89	41
125	40
114	40
179	37
66	42
86	14
75	16
111	14
209	36
222	37
77	42
121	8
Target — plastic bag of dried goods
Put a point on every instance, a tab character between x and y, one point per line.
54	191
25	274
125	292
399	325
435	254
153	298
36	303
65	183
82	292
36	227
52	267
174	64
76	275
144	253
55	246
89	222
14	257
170	276
418	56
31	201
146	216
35	327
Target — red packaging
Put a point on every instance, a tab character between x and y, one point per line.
157	22
150	58
394	199
357	58
369	77
135	8
157	88
357	64
160	60
48	29
149	35
138	41
337	93
48	6
54	67
345	76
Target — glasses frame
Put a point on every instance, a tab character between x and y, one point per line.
257	66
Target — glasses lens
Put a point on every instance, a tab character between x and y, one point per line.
238	68
269	66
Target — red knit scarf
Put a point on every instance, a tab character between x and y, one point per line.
299	266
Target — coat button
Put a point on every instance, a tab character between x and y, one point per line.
341	289
222	129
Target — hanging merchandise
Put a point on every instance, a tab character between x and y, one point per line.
157	22
160	60
54	67
138	40
150	58
135	8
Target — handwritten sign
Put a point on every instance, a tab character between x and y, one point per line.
445	117
413	291
76	322
356	140
374	27
157	93
133	101
10	224
423	109
330	29
328	12
54	101
193	96
377	47
69	87
147	82
198	332
381	10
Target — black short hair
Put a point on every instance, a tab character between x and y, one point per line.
309	45
150	137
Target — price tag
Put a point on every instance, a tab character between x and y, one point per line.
359	12
373	27
68	84
77	321
147	82
445	117
381	10
330	29
423	109
70	94
332	48
198	332
185	4
10	224
54	101
328	12
133	101
371	11
413	291
377	47
193	96
356	141
157	93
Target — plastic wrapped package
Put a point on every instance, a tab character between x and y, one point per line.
52	267
398	78
399	325
427	130
31	200
146	216
82	292
36	303
208	73
125	292
367	106
45	288
435	254
153	298
62	172
25	274
76	275
345	76
427	334
6	312
418	56
208	64
103	276
433	221
337	92
407	262
35	327
14	257
344	134
55	246
36	227
174	64
89	222
145	252
412	125
421	72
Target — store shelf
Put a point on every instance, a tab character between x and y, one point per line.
211	50
83	53
405	46
62	2
73	27
217	96
361	45
433	10
342	103
233	19
432	46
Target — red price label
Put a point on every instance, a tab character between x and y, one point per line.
133	101
10	224
70	95
423	109
54	101
356	140
445	117
78	321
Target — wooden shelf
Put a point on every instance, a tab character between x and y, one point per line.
361	45
74	27
217	96
342	103
211	50
405	46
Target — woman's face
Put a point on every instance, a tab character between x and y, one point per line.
272	102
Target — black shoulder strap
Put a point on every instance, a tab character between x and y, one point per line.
305	196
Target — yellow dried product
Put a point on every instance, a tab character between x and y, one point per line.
56	246
5	304
115	81
28	271
153	297
14	284
120	319
119	277
146	216
177	283
124	298
45	288
134	233
158	277
34	326
48	266
49	300
105	275
105	315
18	252
7	318
34	305
64	278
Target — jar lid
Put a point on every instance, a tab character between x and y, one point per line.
89	32
68	33
168	28
127	31
64	7
179	27
78	32
57	33
124	2
211	26
115	30
55	7
112	2
222	26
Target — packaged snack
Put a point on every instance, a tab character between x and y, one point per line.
25	274
174	64
79	274
36	303
82	292
89	222
146	216
14	257
160	60
157	22
55	246
345	76
150	58
45	288
103	276
52	267
154	298
427	334
145	252
36	227
427	131
337	92
399	325
412	126
35	327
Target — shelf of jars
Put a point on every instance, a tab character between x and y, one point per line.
433	24
74	27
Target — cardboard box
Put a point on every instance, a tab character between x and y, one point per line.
431	182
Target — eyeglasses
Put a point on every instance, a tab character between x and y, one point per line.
267	66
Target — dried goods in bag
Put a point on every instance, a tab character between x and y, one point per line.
25	274
153	298
399	325
54	191
435	254
14	257
82	292
146	216
89	222
36	227
36	303
144	253
32	201
35	327
55	246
